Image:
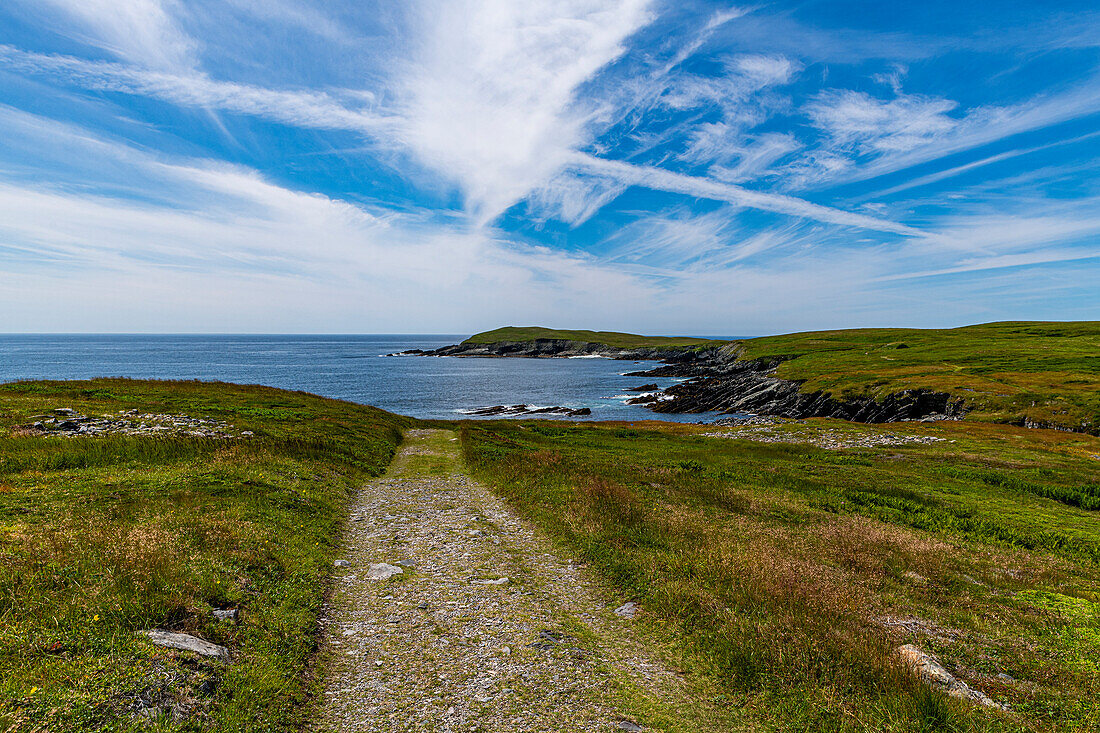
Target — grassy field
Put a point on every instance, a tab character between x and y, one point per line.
611	338
1007	372
790	573
103	537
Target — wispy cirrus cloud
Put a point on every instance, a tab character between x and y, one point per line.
911	130
322	110
663	180
144	32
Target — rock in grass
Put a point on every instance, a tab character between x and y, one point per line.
627	610
341	564
932	673
382	571
187	643
226	614
629	725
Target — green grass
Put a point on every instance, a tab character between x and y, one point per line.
1006	372
101	537
610	338
775	564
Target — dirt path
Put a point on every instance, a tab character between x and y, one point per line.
485	628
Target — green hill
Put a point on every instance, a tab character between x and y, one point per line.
611	338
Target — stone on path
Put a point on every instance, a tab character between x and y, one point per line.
382	571
498	581
341	564
187	643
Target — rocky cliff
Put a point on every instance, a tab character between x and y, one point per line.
559	348
750	386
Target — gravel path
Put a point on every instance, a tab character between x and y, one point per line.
483	629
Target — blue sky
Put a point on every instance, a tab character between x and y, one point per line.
451	166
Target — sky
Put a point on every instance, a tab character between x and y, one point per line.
450	166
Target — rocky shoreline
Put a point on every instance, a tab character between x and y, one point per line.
716	380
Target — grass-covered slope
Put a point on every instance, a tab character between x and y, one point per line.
1047	373
518	334
101	537
790	573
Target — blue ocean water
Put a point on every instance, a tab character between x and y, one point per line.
346	367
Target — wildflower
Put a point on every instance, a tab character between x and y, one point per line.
95	618
34	690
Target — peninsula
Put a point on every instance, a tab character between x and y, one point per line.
1032	374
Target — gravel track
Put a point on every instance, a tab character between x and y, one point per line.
448	644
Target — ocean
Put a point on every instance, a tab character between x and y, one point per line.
353	368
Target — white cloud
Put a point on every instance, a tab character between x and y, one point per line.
143	32
304	108
490	99
722	144
860	122
663	180
911	130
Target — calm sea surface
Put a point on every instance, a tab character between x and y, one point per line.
347	367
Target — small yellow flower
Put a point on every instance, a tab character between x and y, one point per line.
34	690
95	618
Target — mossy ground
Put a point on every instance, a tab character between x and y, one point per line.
101	537
790	573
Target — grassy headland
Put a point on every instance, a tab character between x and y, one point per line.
518	334
1015	372
790	573
101	537
1007	372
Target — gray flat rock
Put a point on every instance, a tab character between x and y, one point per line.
382	571
933	674
187	643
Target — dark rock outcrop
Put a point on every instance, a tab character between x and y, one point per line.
750	386
559	348
525	410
